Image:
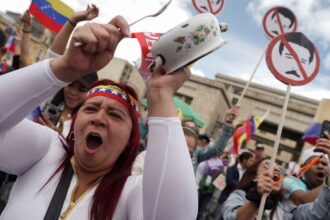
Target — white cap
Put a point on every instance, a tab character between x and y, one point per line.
310	153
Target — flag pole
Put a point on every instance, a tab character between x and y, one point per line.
251	77
265	115
275	148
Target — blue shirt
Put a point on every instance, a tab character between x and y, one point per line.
292	184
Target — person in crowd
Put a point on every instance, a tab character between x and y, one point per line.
143	126
233	176
57	113
21	55
138	165
203	141
207	172
191	136
68	100
306	188
259	151
190	123
212	167
234	173
221	142
244	202
88	176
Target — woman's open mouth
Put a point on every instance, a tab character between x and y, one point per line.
93	141
276	176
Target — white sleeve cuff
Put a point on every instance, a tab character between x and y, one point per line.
51	75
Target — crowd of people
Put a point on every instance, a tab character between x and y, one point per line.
89	159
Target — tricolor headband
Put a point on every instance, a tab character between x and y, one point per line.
116	93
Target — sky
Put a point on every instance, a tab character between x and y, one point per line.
246	38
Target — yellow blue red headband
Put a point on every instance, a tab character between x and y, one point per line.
116	93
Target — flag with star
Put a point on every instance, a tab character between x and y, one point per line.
51	13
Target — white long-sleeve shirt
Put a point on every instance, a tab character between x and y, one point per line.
167	190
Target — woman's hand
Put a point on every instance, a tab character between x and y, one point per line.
26	21
90	13
99	42
265	183
166	83
323	144
232	114
160	90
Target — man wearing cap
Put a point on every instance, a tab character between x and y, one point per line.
307	188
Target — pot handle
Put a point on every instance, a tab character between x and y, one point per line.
157	62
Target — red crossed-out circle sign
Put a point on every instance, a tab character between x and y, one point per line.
293	59
279	20
211	6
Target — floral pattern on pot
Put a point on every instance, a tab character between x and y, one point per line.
194	38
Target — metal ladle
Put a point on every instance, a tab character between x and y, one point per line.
78	44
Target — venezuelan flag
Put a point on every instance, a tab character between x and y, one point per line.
245	132
51	13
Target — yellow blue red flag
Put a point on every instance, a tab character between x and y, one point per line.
245	132
52	14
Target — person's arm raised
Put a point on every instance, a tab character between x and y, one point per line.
323	144
31	85
25	42
62	38
160	91
299	197
223	138
99	42
169	187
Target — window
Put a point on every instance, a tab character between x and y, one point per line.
126	73
237	91
186	99
234	101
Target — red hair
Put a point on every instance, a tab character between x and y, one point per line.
108	191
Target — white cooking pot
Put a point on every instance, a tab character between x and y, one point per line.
186	43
